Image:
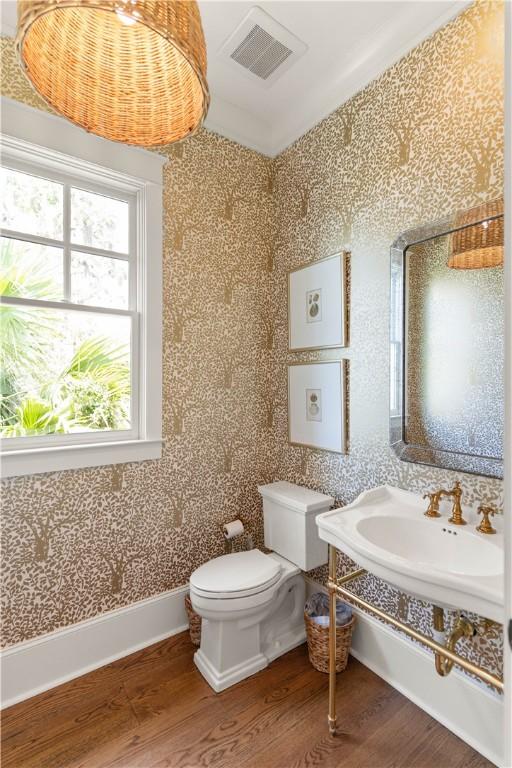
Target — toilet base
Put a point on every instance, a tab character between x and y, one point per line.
233	650
219	681
289	641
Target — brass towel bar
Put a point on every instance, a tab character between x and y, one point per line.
335	588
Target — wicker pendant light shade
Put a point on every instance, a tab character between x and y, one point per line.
480	245
128	70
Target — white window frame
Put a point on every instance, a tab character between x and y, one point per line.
130	174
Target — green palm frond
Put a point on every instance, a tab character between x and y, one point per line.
36	417
104	362
24	273
26	333
92	391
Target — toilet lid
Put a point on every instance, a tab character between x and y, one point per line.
236	575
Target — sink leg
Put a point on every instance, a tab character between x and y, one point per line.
331	718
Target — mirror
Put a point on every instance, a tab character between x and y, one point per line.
447	343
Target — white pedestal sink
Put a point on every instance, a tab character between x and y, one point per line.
385	531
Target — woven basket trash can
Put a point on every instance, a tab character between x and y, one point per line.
318	641
194	622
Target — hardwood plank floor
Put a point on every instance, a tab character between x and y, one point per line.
154	710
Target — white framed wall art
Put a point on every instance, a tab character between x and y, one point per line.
317	304
316	405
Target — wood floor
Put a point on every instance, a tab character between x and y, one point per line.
153	710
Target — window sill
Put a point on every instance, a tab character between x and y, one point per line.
37	460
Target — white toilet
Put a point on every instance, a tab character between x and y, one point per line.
252	604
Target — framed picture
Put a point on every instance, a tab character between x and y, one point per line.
317	305
316	405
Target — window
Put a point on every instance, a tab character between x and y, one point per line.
79	359
69	313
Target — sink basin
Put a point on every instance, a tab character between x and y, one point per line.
385	531
425	544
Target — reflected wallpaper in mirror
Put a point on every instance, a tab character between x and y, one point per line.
447	342
454	386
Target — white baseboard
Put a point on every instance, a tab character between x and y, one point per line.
467	708
37	665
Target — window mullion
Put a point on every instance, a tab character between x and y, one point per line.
134	269
91	249
65	305
136	379
67	243
28	238
135	286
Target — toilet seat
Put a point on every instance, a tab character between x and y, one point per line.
234	576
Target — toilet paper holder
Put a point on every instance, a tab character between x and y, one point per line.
234	532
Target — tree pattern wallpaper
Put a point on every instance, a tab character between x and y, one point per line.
419	142
78	543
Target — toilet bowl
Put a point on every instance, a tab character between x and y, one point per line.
238	637
252	603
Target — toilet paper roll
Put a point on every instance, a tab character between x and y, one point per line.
233	529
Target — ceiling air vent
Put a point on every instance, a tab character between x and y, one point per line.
261	48
260	52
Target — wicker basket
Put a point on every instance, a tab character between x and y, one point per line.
480	245
318	644
194	622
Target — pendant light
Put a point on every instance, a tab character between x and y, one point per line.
480	245
128	70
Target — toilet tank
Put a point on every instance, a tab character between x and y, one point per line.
289	513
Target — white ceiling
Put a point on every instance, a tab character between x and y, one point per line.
350	42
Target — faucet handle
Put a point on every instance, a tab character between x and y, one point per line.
433	507
486	511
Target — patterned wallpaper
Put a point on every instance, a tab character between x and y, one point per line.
139	529
422	140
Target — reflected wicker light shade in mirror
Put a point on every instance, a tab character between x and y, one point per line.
128	70
480	245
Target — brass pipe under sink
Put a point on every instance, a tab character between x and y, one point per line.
460	661
448	654
462	628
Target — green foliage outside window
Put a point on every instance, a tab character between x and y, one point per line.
52	379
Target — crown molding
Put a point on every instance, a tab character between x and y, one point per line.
241	126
